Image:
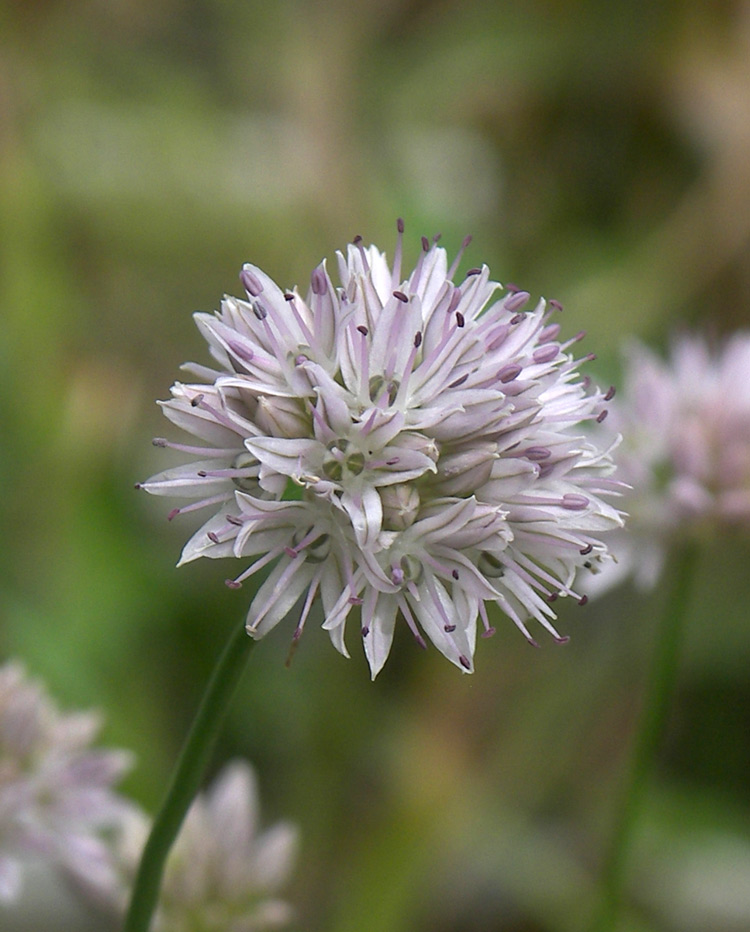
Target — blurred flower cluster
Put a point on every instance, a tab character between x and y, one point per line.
686	449
58	806
402	445
56	793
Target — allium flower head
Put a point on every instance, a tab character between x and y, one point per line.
56	793
686	453
222	874
402	446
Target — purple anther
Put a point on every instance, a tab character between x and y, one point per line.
241	351
318	281
586	550
555	304
586	382
571	501
454	574
552	597
393	461
449	628
545	353
357	240
194	402
173	514
464	661
436	237
401	296
213	537
590	357
288	296
232	584
474	271
397	575
425	244
202	473
137	485
291	553
610	393
512	287
417	339
260	312
509	373
466	240
460	381
301	359
488	633
562	640
583	600
400	225
252	284
354	600
233	519
549	333
460	319
536	454
602	416
517	318
363	330
365	631
160	442
516	301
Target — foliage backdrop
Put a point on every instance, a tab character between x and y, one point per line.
600	154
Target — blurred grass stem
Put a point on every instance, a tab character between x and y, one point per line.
186	779
659	690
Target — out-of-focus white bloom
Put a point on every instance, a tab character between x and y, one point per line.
222	874
404	447
56	797
686	449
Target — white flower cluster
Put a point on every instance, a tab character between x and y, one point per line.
56	796
686	452
222	873
403	447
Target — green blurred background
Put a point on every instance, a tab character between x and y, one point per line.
600	154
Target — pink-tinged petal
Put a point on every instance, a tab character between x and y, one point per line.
379	637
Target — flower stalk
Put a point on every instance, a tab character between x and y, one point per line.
186	778
659	691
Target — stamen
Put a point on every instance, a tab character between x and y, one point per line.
195	506
397	253
509	373
252	284
545	354
459	255
516	301
406	612
318	283
401	297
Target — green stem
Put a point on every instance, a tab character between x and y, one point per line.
186	779
659	690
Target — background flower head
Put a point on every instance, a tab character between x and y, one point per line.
56	793
686	449
401	445
223	873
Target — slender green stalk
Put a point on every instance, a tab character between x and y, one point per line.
186	779
659	690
